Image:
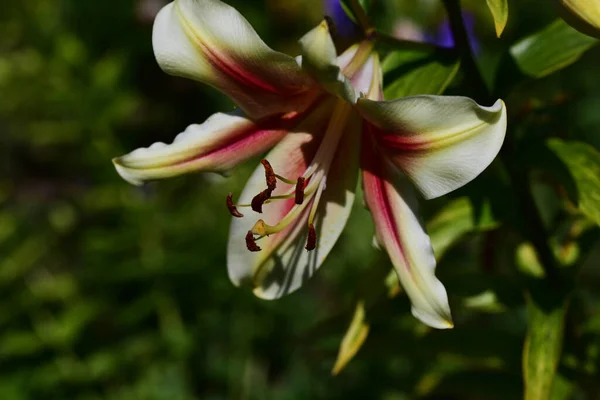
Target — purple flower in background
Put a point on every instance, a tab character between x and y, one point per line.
443	35
344	26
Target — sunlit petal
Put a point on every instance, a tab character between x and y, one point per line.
283	264
583	15
440	142
209	41
217	145
319	59
393	205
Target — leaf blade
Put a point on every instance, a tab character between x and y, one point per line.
499	10
412	72
583	162
551	49
542	349
353	340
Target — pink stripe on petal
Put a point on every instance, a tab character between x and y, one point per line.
408	143
209	41
393	205
247	142
377	198
217	145
228	66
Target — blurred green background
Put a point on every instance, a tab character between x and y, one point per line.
109	291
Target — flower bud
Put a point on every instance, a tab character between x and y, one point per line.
583	15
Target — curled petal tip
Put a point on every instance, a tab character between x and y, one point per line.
125	173
440	142
439	320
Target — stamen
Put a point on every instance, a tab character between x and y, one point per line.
269	175
258	200
359	59
251	243
309	186
300	190
231	207
311	242
259	228
285	180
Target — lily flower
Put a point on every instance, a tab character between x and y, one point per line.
324	119
583	15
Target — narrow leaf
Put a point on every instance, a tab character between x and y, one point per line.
543	345
499	9
455	220
353	339
551	49
365	4
411	72
583	163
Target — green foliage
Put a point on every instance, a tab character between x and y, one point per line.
583	163
551	49
543	343
348	8
411	72
499	10
109	291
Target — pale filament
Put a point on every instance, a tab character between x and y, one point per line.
316	173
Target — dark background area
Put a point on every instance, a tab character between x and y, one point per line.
109	291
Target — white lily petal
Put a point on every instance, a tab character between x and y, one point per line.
319	59
217	145
393	205
209	41
283	264
440	142
583	15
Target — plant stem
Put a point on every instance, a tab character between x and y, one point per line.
362	18
403	44
534	229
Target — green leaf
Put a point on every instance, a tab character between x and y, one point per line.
551	49
562	389
543	345
583	163
499	9
455	220
410	72
365	4
353	339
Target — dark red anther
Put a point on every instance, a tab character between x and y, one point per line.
251	242
231	207
258	200
269	175
300	190
311	242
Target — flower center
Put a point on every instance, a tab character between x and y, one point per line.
306	190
